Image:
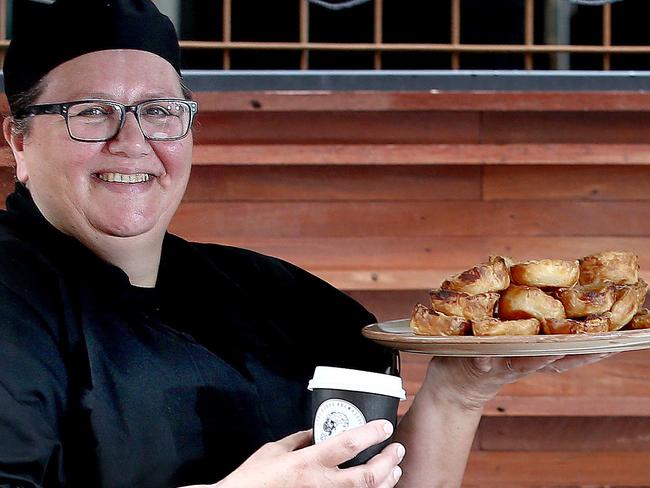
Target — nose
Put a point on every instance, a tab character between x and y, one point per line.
129	141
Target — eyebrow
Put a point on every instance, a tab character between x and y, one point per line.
108	96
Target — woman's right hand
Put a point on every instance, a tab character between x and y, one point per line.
293	462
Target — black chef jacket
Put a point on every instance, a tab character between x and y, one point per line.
103	384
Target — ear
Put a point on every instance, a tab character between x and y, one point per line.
16	142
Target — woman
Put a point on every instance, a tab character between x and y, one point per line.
130	357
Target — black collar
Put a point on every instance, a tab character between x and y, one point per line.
23	219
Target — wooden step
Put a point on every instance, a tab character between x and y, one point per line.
408	154
557	469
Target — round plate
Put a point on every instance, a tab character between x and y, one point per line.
397	334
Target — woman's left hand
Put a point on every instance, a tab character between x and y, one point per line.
471	382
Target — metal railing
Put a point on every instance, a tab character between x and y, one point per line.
455	47
225	47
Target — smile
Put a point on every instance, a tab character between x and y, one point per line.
124	178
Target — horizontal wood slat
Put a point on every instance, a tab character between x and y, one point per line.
334	128
425	100
325	183
413	219
566	183
439	252
381	253
435	127
556	405
405	154
384	279
559	405
395	183
564	434
513	469
564	127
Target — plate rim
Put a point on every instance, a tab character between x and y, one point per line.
616	341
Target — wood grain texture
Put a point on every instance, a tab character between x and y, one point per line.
566	182
405	154
380	253
551	406
302	100
325	183
336	128
435	127
413	219
556	469
565	127
564	434
452	253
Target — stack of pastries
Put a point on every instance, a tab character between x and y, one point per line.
598	293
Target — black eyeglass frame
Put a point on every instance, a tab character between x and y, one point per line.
64	107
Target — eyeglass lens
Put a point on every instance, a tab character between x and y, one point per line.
159	120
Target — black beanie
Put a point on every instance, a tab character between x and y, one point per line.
69	28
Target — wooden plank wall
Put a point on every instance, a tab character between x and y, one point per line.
386	194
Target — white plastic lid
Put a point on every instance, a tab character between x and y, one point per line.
326	377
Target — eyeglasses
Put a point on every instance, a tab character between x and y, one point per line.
162	119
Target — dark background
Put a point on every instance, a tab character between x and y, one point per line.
421	21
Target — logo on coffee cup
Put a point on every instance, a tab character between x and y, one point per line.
335	416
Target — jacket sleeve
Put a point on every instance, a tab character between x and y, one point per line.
327	323
33	388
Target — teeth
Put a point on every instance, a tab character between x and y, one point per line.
124	178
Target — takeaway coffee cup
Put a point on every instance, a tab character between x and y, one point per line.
346	398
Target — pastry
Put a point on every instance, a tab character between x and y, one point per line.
487	277
523	302
425	321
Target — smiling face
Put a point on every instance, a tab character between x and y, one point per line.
125	187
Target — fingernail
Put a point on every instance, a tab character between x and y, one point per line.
400	452
388	428
397	473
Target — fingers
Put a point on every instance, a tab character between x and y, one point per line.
295	441
570	362
515	367
345	446
522	366
382	471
